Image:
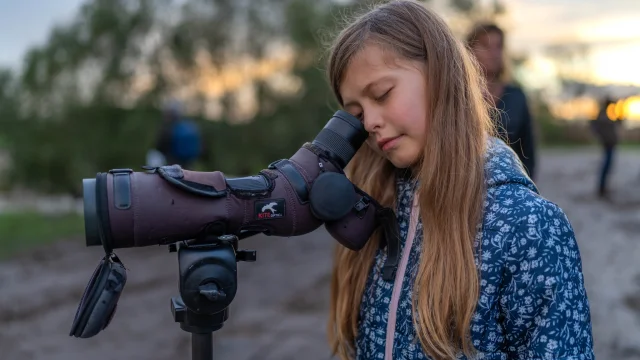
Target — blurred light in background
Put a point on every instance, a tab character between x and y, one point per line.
629	108
625	109
587	108
579	108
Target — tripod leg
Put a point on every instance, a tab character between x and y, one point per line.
202	346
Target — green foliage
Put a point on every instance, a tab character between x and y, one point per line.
20	231
53	156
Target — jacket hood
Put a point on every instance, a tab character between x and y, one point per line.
502	166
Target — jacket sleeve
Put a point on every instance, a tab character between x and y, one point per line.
544	304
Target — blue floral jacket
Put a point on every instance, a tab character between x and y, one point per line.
532	304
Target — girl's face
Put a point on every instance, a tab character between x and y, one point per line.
389	95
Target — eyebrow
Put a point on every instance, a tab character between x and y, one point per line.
368	88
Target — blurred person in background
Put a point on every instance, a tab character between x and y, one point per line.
179	141
513	119
606	131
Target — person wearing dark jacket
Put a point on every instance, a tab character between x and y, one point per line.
606	131
513	118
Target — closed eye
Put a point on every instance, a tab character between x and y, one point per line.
383	96
379	99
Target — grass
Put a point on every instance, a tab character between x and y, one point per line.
25	230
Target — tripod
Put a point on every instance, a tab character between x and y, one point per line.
208	284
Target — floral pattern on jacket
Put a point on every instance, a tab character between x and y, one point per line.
532	304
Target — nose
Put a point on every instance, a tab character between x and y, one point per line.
372	120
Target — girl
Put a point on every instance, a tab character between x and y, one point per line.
486	42
489	269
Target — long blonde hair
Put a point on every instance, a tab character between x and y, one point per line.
451	176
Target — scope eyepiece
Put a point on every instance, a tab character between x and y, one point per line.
342	137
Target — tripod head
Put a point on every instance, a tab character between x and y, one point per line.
208	284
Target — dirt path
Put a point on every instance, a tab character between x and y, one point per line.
279	311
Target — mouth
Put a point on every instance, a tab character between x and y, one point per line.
388	143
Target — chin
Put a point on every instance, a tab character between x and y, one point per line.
402	162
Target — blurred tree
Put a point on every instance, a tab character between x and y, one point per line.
90	60
7	94
8	105
87	100
117	55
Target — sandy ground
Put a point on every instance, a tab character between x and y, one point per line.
280	308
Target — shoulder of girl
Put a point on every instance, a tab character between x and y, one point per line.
526	219
535	238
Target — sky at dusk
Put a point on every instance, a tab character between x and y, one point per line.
612	28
